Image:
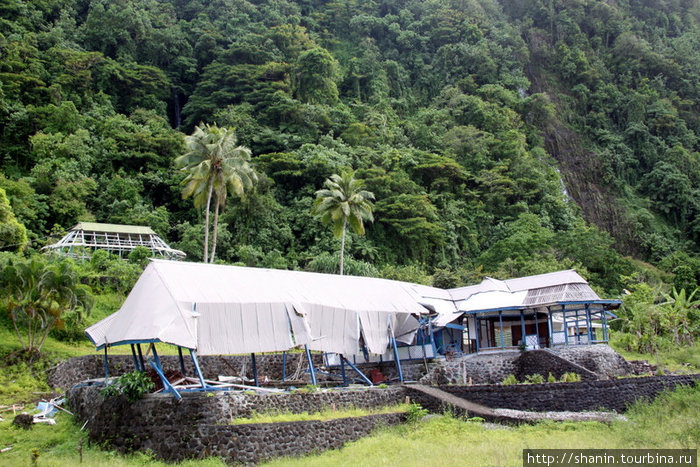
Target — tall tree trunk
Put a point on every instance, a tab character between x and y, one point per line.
342	244
206	222
216	229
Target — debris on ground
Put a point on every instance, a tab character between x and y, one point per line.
24	421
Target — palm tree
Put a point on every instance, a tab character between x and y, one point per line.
216	165
342	201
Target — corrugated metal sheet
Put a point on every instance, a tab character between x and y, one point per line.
113	228
560	293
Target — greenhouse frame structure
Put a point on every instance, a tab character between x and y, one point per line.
86	237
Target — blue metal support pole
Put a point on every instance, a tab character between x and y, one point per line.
155	363
182	360
550	328
284	366
588	324
396	357
312	372
500	331
136	360
197	369
522	327
605	326
143	364
155	355
476	332
362	375
537	330
255	369
106	365
342	370
566	329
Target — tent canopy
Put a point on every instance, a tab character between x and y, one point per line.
219	309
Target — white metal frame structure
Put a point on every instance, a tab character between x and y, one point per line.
86	237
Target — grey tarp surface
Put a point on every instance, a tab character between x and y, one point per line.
219	309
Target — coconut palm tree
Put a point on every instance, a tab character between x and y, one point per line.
343	201
216	165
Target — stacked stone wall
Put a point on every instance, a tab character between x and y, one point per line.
600	359
202	424
546	362
483	368
615	394
589	361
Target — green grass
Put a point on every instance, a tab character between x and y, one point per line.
672	421
676	360
327	414
58	445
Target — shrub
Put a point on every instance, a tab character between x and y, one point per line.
415	413
551	378
132	385
534	379
571	377
509	380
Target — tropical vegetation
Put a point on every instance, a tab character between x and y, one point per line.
500	138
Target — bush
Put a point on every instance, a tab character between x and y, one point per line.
571	377
415	413
509	380
534	379
132	385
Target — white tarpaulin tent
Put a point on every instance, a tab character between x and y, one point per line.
217	309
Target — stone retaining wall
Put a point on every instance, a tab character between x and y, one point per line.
483	368
590	361
616	394
199	425
599	358
546	362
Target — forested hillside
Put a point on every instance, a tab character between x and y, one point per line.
502	138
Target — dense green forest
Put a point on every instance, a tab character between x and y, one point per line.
498	137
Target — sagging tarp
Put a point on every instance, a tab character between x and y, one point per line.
217	309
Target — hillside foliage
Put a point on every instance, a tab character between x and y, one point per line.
498	137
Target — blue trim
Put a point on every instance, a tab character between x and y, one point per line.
529	307
133	341
455	326
489	310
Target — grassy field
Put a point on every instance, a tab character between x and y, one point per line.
672	421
